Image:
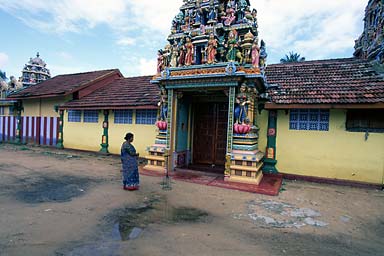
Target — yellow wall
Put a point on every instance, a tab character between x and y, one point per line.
262	122
144	135
87	136
43	107
332	154
82	136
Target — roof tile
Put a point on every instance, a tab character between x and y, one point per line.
334	81
121	93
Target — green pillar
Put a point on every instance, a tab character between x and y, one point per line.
19	123
104	139
231	107
59	143
270	157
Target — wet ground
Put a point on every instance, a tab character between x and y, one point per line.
61	202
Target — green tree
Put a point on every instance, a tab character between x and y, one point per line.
3	75
292	57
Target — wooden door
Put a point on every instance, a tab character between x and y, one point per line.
210	133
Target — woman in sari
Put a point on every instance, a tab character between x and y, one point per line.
129	161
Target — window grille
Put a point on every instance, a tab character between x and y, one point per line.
365	120
309	119
91	116
74	116
123	116
146	116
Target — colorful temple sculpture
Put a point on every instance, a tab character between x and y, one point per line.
211	74
34	72
370	45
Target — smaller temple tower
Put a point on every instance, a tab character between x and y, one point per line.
35	72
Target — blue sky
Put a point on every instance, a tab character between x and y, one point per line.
85	35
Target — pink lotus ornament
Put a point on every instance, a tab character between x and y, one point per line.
162	125
241	128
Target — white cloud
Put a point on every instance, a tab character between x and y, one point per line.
315	29
126	41
3	59
67	15
65	56
147	67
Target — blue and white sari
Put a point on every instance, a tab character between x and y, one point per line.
130	168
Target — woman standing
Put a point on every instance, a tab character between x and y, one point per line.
129	161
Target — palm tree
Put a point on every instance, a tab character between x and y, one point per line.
292	57
3	76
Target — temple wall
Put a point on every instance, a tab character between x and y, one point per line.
335	154
42	107
87	136
144	135
82	136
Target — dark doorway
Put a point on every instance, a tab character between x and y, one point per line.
210	135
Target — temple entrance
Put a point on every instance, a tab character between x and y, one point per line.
210	135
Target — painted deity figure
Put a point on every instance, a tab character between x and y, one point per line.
212	15
167	55
181	60
254	16
163	105
160	61
198	17
255	53
241	7
230	15
211	49
232	46
174	54
189	52
221	13
242	102
263	54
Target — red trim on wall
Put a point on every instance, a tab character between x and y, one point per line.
51	131
9	128
45	131
3	117
26	129
38	124
270	105
57	128
332	181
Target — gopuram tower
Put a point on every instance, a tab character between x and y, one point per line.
370	45
35	71
210	75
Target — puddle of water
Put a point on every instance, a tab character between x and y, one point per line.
51	189
129	222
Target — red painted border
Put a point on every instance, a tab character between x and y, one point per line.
3	117
38	126
51	131
332	181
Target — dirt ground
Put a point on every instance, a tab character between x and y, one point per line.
61	202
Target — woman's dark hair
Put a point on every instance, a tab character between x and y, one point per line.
128	136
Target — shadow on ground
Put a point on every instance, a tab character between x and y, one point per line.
39	188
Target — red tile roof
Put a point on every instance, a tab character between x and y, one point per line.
132	92
334	81
63	84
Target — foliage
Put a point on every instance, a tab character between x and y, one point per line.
3	75
292	57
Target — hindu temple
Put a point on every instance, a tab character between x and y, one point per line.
211	77
370	45
35	71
